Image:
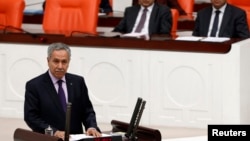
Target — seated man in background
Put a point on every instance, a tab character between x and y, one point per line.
158	19
232	21
170	3
105	6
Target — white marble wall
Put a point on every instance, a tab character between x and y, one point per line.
181	89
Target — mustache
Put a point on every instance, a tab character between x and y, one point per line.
60	70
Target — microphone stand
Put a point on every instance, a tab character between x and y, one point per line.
133	136
67	124
133	118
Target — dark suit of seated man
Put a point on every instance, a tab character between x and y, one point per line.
158	21
232	21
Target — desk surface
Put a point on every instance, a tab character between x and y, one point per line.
121	43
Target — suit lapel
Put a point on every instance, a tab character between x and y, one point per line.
153	15
49	86
133	15
207	20
69	83
225	20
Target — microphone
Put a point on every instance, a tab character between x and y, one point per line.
135	119
35	36
67	122
133	135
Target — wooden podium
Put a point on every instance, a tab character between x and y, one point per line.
27	135
142	133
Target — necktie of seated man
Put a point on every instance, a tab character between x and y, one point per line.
61	95
215	24
142	20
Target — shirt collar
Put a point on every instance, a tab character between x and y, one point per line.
222	9
54	79
149	8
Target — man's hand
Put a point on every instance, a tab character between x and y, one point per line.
93	132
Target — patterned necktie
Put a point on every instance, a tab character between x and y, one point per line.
142	20
215	24
61	95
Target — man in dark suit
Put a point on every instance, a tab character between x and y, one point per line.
232	21
170	3
159	18
42	105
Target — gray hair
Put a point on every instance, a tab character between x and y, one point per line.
58	46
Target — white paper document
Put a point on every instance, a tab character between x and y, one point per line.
204	39
188	38
215	39
135	35
76	137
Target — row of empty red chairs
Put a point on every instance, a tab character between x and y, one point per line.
64	16
60	16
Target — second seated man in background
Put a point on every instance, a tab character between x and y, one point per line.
170	3
158	18
231	21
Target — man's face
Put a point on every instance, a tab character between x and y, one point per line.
58	63
146	3
218	3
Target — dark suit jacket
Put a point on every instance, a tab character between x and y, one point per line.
234	23
160	20
42	105
170	3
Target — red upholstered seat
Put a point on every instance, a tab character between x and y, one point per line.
188	7
67	16
243	4
11	13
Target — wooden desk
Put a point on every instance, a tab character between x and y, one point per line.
122	43
27	135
